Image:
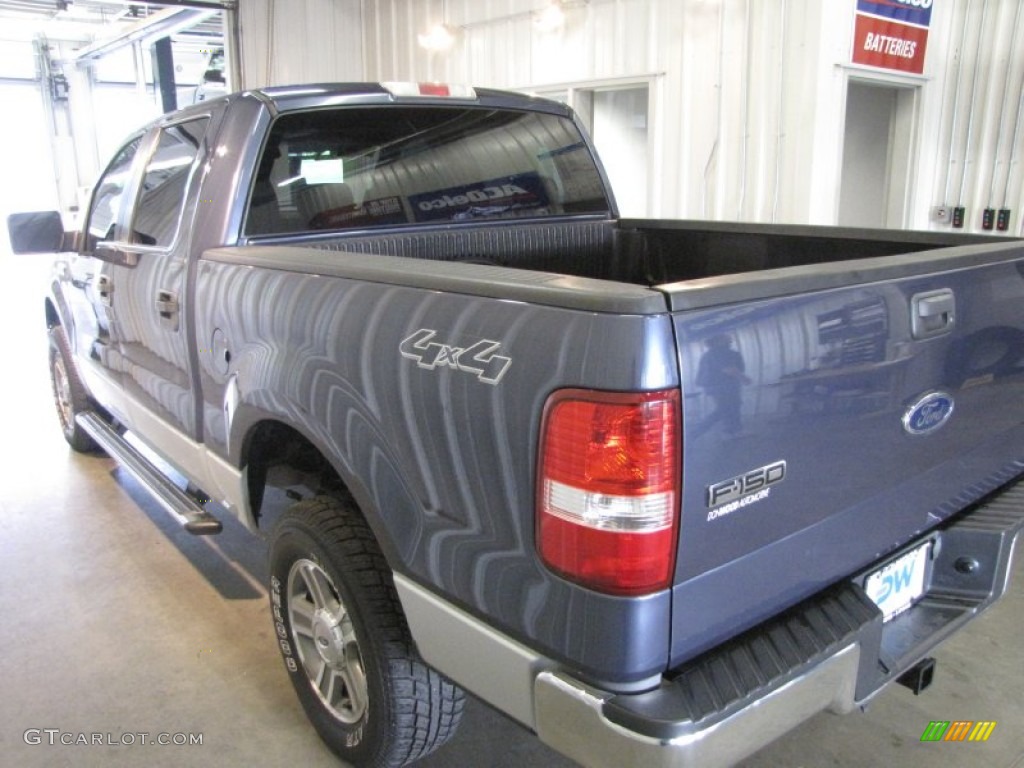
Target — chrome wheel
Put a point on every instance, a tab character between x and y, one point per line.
326	641
62	394
69	396
345	642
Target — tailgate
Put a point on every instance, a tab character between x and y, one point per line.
826	428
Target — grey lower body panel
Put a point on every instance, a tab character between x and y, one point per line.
832	652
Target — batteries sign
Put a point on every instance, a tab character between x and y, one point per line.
892	34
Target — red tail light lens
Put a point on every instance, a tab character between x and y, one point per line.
608	488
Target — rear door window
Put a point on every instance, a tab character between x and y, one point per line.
165	183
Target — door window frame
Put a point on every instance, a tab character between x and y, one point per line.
151	144
91	244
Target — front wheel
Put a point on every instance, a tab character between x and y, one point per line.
345	642
69	395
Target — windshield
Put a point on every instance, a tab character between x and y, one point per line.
357	167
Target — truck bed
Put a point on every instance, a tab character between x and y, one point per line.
636	251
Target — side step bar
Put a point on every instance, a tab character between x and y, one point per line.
195	519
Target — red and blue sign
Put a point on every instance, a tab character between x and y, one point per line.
892	34
917	12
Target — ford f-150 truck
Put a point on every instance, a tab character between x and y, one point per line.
658	490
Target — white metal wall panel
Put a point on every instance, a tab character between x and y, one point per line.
747	96
300	41
978	106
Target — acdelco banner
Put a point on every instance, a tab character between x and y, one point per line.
491	198
892	34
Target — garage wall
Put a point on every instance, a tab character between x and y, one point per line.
300	41
734	86
747	97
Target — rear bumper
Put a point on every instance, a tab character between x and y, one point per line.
832	652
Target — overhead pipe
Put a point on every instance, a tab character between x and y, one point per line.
1014	142
163	24
139	65
268	68
988	218
746	116
1003	103
1003	219
956	103
1003	222
782	102
970	118
233	49
217	5
718	127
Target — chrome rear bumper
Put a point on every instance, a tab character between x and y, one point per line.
833	652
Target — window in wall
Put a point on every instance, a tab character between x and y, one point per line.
620	135
617	120
165	184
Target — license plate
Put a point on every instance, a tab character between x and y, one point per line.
897	585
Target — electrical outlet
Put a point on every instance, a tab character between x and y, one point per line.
940	214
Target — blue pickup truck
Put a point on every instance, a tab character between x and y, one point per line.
658	490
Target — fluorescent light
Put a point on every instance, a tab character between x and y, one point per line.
439	38
550	19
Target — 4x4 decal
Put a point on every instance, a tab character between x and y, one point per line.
479	359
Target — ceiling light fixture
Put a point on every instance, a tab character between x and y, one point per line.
439	38
551	18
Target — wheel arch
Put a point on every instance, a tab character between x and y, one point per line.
277	454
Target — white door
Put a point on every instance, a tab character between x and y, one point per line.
877	154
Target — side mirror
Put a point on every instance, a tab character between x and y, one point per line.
213	76
36	232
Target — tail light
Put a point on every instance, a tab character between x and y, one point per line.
608	488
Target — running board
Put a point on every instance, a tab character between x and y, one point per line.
193	517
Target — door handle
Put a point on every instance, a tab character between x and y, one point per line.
105	289
932	313
167	304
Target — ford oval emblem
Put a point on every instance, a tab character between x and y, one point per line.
928	413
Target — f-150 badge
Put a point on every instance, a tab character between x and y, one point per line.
478	359
726	497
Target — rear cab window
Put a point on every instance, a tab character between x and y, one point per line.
357	167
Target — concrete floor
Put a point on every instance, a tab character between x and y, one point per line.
114	621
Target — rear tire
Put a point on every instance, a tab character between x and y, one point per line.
346	644
69	395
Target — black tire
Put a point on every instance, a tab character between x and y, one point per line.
338	620
69	395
